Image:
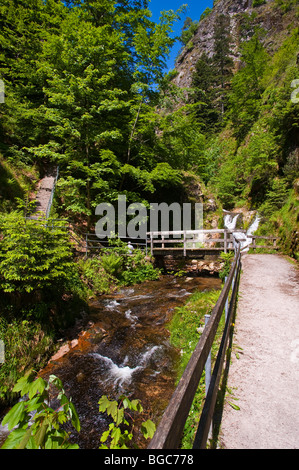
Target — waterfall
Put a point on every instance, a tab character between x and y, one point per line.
230	221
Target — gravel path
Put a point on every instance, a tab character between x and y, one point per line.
264	381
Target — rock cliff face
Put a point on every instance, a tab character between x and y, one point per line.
267	16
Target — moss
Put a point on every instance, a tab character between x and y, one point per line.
186	328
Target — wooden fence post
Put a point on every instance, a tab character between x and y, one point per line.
225	240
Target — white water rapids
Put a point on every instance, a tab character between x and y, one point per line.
123	373
230	221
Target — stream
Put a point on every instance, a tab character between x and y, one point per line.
127	351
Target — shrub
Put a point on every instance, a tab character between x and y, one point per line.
116	267
34	254
26	345
112	264
227	258
93	276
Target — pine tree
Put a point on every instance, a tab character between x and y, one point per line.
222	60
204	83
247	86
222	40
212	76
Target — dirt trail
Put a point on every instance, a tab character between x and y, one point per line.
265	378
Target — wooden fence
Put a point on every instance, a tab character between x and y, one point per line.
93	244
169	432
190	240
214	240
182	243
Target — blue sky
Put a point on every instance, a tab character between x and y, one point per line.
194	11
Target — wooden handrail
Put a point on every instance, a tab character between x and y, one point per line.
169	432
210	402
225	242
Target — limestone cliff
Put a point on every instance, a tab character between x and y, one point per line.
268	16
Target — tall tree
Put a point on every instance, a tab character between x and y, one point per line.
22	30
222	40
98	84
204	83
247	86
222	56
211	77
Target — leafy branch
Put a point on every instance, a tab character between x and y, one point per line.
45	432
120	414
36	425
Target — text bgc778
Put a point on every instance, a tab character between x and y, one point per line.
170	459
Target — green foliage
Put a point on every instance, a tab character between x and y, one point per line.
221	58
257	3
116	266
245	98
205	13
120	412
34	424
34	254
210	78
286	5
185	328
258	144
288	220
227	258
276	197
26	345
81	84
37	425
188	30
182	144
187	320
112	264
139	271
93	276
204	82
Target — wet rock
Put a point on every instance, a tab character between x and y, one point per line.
61	352
74	343
80	377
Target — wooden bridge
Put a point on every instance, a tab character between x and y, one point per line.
186	243
194	243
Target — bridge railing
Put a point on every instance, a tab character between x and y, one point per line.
214	240
186	240
94	244
170	429
207	240
268	242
